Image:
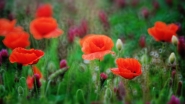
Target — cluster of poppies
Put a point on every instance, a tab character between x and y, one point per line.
43	26
94	46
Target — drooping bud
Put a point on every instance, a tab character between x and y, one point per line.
142	41
174	100
119	44
174	40
63	63
172	58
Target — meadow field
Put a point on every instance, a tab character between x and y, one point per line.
92	52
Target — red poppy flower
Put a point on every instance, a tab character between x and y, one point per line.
25	57
162	31
96	46
44	10
45	28
6	26
30	80
16	39
127	68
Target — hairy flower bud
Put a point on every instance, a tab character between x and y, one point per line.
172	58
174	40
119	44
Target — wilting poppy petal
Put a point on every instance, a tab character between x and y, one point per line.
44	10
45	28
16	39
163	32
6	26
29	82
25	57
96	46
128	68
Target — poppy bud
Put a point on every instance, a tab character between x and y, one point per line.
103	77
174	100
172	58
119	45
174	40
144	59
181	46
145	13
20	90
173	74
63	63
142	41
4	54
179	88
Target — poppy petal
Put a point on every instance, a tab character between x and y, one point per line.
96	55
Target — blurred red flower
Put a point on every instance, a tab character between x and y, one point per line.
45	28
29	82
163	32
16	39
25	57
128	68
96	46
6	26
44	10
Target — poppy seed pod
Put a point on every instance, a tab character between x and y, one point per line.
174	40
172	58
119	44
